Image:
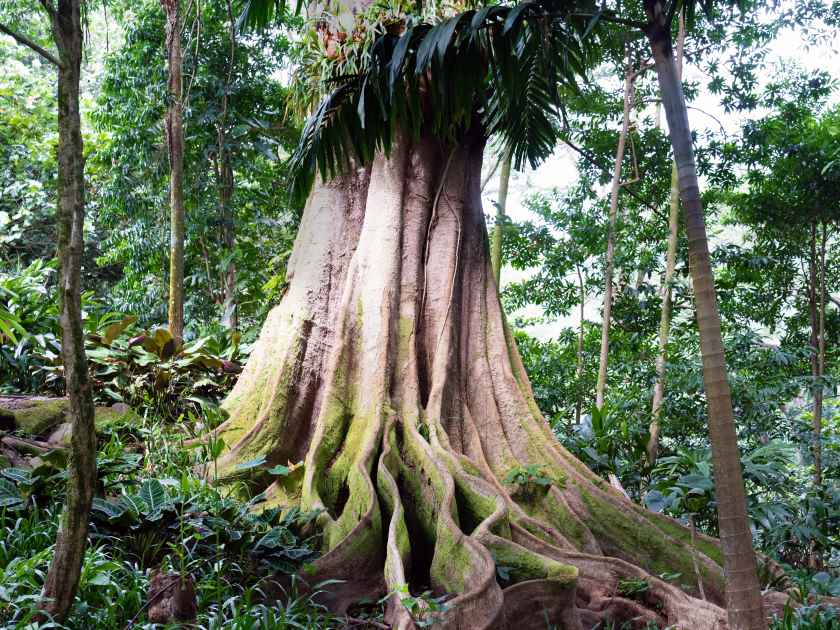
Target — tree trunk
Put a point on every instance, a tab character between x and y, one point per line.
816	304
230	317
608	272
743	595
62	578
815	285
175	142
670	265
501	206
389	370
579	352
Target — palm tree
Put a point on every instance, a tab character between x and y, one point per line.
743	591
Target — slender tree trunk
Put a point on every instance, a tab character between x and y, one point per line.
670	265
63	576
814	301
743	593
501	207
226	183
579	353
608	272
816	304
175	142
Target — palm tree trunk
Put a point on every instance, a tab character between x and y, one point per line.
63	576
743	594
501	206
670	264
608	273
175	141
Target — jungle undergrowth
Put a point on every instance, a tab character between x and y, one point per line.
154	512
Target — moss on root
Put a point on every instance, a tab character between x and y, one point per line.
647	544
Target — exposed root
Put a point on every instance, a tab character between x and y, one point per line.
388	368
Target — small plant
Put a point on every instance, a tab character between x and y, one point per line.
424	609
814	617
633	588
528	479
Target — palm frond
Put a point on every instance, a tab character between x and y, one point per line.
503	67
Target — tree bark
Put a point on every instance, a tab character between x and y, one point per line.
225	182
665	292
501	207
815	286
175	143
816	303
62	578
579	352
629	78
389	371
743	594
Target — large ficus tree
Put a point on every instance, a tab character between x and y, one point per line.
388	368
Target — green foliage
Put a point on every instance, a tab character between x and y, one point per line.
813	617
532	474
144	518
143	368
633	588
425	609
234	118
27	153
509	63
30	329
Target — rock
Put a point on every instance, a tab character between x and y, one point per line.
171	598
61	435
34	415
38	416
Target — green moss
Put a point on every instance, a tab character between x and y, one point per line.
523	564
266	395
359	503
647	546
474	507
550	510
106	417
683	534
40	416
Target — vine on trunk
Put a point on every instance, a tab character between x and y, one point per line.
413	417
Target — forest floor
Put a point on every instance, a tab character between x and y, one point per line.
153	516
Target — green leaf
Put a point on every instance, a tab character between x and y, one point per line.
114	330
254	463
110	509
153	495
18	475
9	494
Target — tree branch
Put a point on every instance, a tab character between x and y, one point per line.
48	7
25	41
613	19
630	191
